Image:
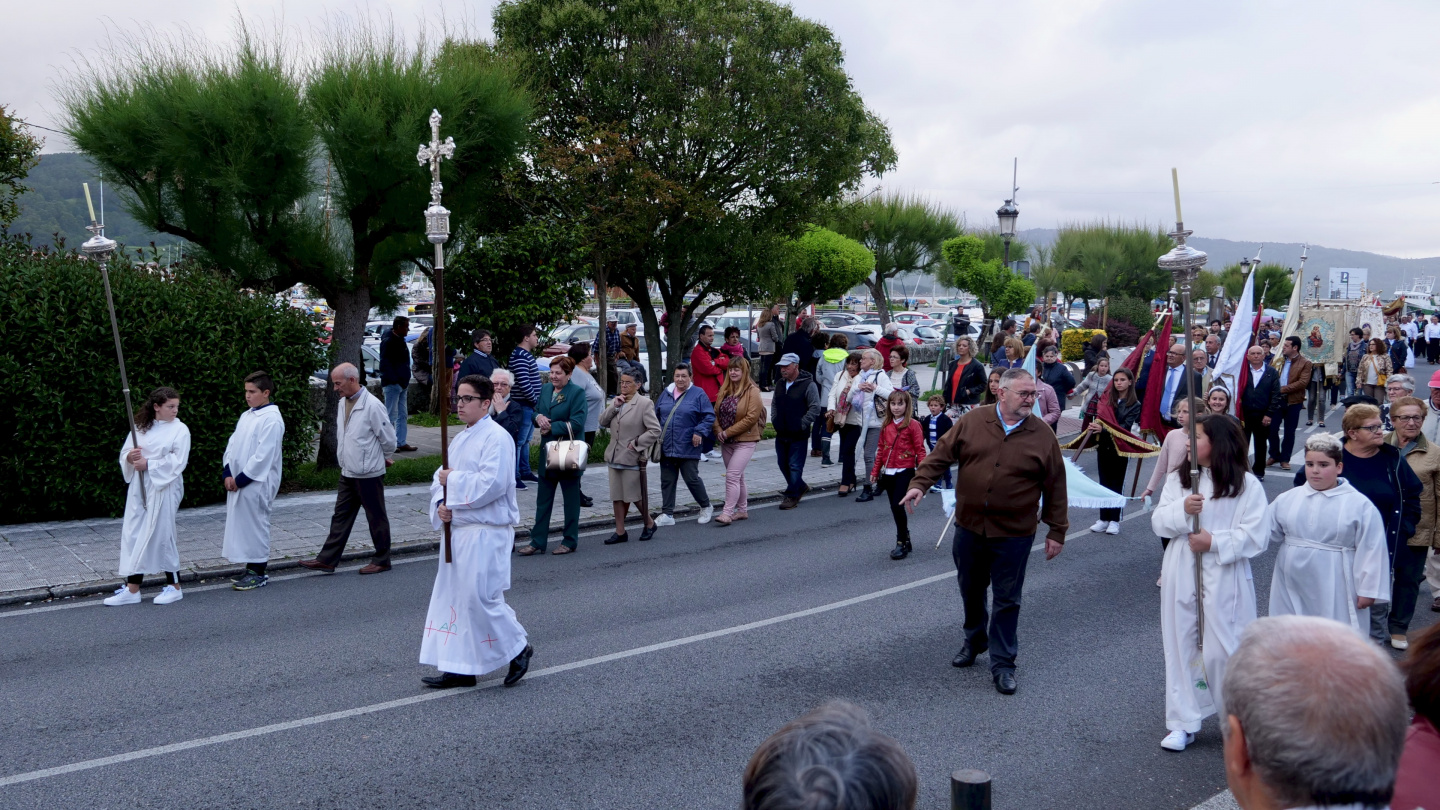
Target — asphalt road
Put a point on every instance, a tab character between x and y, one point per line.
615	713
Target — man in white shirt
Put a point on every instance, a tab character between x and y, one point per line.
1432	339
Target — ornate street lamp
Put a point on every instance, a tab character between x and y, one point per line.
100	248
1008	213
1184	263
437	230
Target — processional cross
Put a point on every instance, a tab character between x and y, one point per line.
437	230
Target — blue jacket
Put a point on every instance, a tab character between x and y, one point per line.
694	418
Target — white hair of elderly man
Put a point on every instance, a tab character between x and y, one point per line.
1314	717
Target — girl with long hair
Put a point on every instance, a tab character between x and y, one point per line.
1230	502
739	419
992	388
900	451
147	536
1112	465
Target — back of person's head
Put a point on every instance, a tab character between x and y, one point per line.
891	329
1314	714
830	759
839	341
1422	674
400	322
578	352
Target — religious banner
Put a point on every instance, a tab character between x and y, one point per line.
1127	444
1322	334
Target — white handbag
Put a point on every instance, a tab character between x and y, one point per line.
566	455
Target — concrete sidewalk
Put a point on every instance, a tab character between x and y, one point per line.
67	558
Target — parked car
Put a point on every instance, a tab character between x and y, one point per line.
907	317
838	320
565	335
370	358
740	318
858	340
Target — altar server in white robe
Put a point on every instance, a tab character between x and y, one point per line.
469	630
1333	562
147	536
252	477
1231	504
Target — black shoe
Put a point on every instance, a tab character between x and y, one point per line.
586	500
519	665
616	538
251	581
529	476
901	550
448	680
866	495
1005	682
646	534
1309	422
966	656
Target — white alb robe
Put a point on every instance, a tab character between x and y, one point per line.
469	630
1238	526
147	536
254	450
1334	550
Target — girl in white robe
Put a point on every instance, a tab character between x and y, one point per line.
147	536
469	630
1232	530
252	460
1333	561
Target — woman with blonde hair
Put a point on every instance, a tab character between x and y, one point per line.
868	400
1374	368
1014	354
739	420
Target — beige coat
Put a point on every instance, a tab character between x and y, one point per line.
1424	461
634	423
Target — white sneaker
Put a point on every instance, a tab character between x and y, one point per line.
123	596
1177	740
705	513
168	595
1099	526
1400	642
664	520
1113	528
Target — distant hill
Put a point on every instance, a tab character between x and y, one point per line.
56	204
1387	273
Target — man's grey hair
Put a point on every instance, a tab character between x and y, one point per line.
810	324
348	371
498	374
1013	375
1403	380
1322	710
892	328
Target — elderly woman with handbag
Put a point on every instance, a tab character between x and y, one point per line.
630	418
560	417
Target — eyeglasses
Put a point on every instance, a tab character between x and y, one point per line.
1024	394
469	400
1407	418
1374	429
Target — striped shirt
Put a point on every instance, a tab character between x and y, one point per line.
526	390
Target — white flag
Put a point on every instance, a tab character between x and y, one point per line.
1232	355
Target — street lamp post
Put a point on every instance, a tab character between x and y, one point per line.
1008	213
437	230
1184	263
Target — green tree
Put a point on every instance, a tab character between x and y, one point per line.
999	290
1130	251
903	232
743	109
19	153
824	265
1048	277
228	153
1273	284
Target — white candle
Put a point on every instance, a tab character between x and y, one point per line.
1175	182
89	204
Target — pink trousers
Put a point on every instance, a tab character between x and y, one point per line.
737	456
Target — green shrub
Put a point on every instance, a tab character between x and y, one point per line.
1072	343
1135	311
197	333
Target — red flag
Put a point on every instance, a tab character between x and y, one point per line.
1126	443
1150	417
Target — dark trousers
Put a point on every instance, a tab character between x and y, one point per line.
671	470
1282	449
896	486
355	494
1317	396
818	434
997	563
545	505
1409	571
849	438
1112	468
171	578
1257	433
767	366
790	458
1432	351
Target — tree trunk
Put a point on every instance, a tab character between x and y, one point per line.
882	303
602	346
352	310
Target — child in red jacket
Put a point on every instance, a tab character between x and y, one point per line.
902	447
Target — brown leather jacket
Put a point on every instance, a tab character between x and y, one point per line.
1294	388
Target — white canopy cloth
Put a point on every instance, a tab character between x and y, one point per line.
147	536
469	630
254	450
1334	550
1238	527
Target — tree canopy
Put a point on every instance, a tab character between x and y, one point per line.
742	111
1272	281
19	152
824	265
1102	258
1000	290
903	232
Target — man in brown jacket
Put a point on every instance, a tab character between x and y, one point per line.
1010	468
1295	373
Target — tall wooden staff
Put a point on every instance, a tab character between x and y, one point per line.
1184	263
100	248
437	230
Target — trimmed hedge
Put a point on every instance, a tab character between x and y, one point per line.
1072	343
196	333
1119	332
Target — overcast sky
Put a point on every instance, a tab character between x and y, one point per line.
1296	121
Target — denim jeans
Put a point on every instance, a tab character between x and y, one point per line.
522	444
790	455
397	409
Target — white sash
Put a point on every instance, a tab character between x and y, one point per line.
1347	563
